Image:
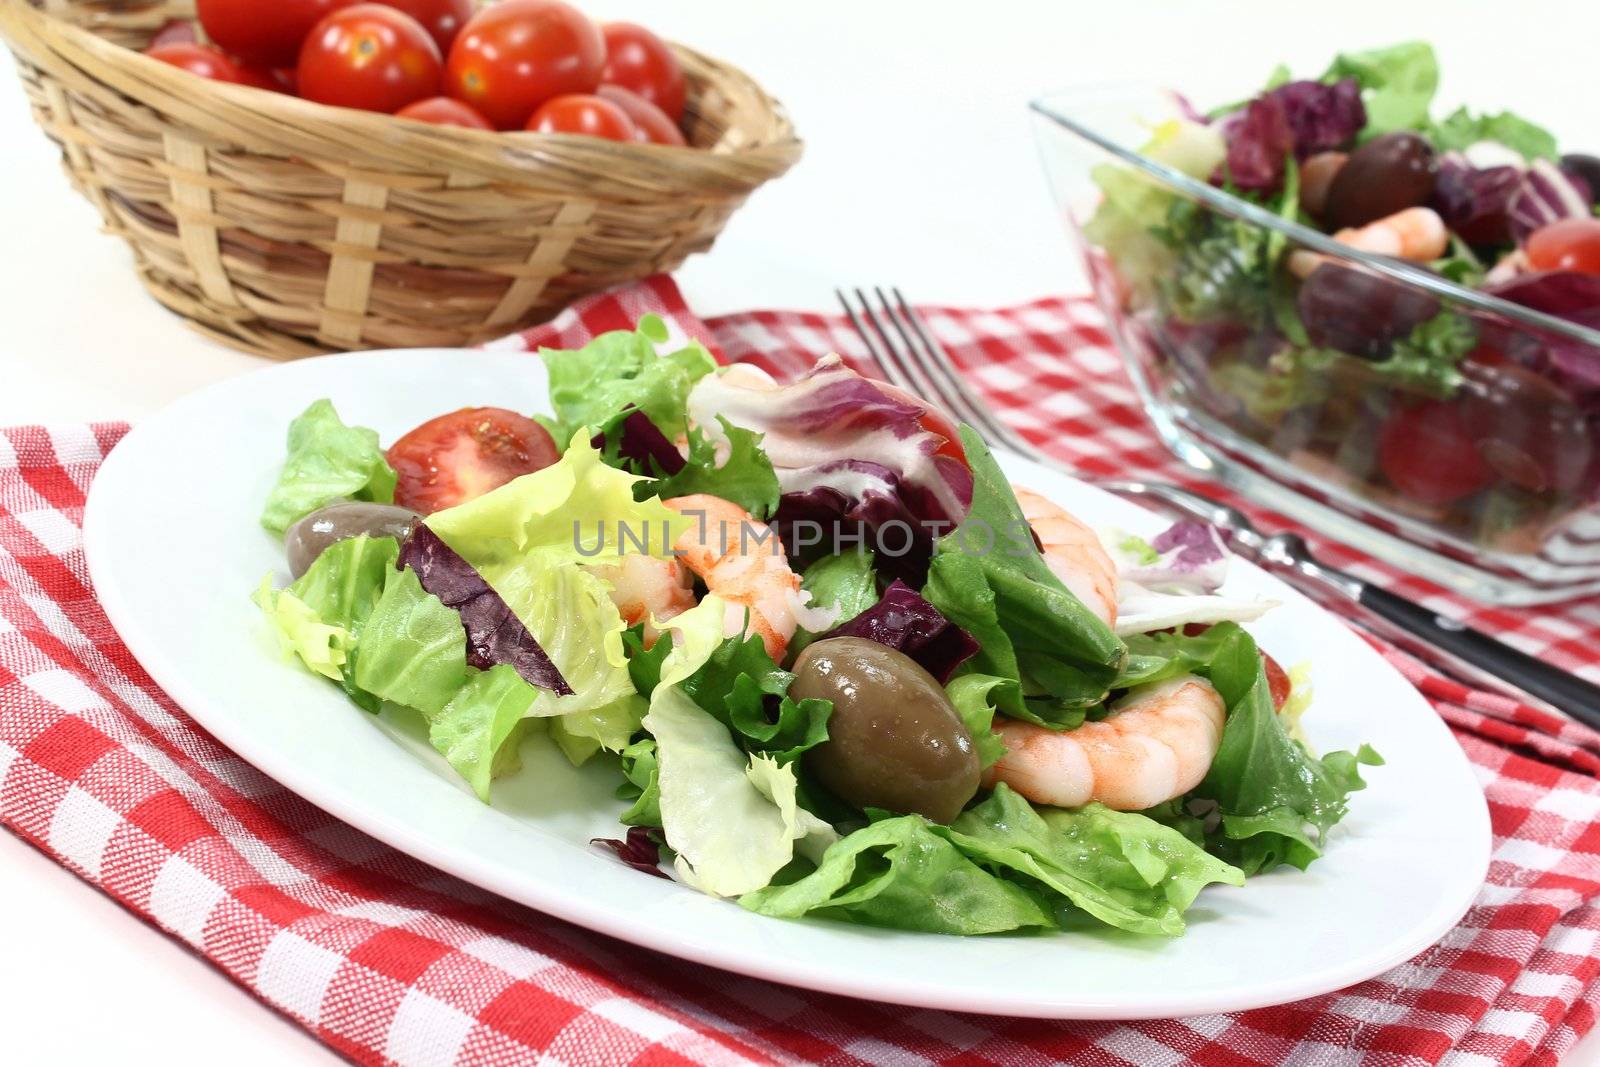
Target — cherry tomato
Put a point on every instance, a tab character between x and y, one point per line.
1428	453
443	111
583	113
651	124
1570	244
370	57
463	455
1278	683
513	56
200	59
265	33
641	62
442	19
174	31
270	80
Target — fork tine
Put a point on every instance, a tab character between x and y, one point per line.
961	397
895	363
931	361
873	345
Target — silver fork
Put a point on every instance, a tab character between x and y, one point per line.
913	359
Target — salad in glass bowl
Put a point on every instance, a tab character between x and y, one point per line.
1382	321
841	666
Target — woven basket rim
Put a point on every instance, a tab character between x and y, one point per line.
276	124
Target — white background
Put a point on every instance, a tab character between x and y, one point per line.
919	171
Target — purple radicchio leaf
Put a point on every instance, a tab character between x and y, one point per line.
1321	117
854	457
1546	195
494	633
1259	140
642	443
638	850
904	621
1475	202
1192	559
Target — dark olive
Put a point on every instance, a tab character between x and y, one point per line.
1316	178
1585	167
1385	175
1360	313
307	539
894	740
1529	430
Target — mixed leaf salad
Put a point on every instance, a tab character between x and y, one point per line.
1484	426
821	716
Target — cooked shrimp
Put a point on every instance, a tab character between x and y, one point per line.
1157	744
1074	554
1417	234
743	562
647	590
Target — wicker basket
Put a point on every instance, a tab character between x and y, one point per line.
287	228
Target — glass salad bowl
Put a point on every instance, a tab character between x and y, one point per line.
1442	428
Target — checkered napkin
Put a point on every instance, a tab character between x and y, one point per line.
388	960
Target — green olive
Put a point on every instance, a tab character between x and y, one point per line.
894	739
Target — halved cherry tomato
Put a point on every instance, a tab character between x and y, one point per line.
1428	453
651	124
1278	683
200	59
458	457
442	19
583	113
371	57
641	62
174	31
443	111
265	33
1571	244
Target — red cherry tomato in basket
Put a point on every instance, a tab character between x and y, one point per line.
370	57
465	454
265	33
442	19
513	56
651	124
1571	244
641	62
1428	453
443	111
200	59
583	113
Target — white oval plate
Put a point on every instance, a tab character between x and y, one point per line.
175	549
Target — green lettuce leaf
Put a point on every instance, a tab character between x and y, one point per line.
901	873
975	701
322	647
577	511
1276	801
1397	84
621	368
413	649
582	734
1122	868
643	785
1461	129
744	476
845	583
479	722
988	578
321	615
732	819
327	461
744	689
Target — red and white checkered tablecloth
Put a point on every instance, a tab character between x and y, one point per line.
388	960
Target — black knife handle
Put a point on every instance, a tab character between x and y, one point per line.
1561	689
